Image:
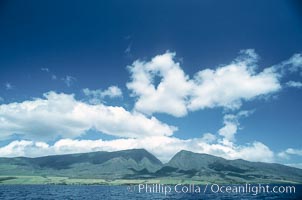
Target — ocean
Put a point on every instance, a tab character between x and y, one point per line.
97	192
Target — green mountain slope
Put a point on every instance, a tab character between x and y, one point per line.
110	165
215	169
139	164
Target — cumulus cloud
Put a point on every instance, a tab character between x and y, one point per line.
175	94
229	85
288	152
159	86
164	146
231	124
61	115
169	95
97	96
292	65
25	148
229	130
294	151
208	138
295	63
112	91
294	84
161	146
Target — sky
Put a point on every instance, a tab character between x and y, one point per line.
215	77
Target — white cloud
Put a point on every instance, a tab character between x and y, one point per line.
286	155
169	96
97	96
257	151
227	86
231	123
160	86
69	80
61	115
294	84
292	65
296	63
294	151
162	147
228	131
25	148
175	94
208	138
288	152
112	91
283	155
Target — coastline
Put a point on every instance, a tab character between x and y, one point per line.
57	180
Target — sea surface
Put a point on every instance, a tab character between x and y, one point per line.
97	192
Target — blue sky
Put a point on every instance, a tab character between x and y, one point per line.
99	52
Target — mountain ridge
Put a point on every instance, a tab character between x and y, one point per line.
140	164
239	170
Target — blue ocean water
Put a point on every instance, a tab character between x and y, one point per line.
91	192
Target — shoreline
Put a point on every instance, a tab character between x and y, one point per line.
58	180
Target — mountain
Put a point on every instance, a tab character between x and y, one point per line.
108	165
197	166
139	164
